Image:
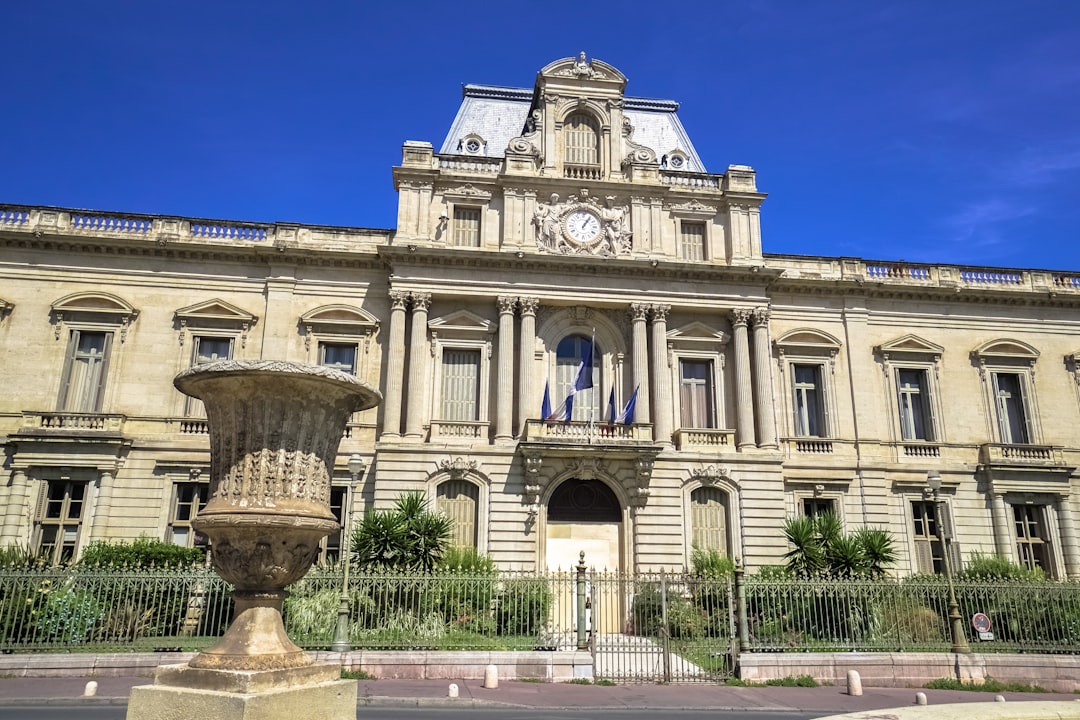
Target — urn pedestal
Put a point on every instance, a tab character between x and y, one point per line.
274	433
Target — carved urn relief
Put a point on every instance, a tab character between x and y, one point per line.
274	433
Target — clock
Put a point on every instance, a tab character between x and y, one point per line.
582	226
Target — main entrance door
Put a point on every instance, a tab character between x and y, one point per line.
585	516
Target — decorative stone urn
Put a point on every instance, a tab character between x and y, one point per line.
274	433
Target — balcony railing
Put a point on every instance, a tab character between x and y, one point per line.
587	433
703	439
458	430
920	450
583	172
810	446
72	422
1006	454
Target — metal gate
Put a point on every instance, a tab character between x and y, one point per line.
660	627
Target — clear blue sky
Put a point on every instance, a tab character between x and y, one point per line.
925	130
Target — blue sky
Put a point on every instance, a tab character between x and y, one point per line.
930	131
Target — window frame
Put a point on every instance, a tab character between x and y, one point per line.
57	553
926	541
711	391
698	342
597	129
1043	540
725	503
703	238
457	221
193	407
475	498
1009	357
193	538
76	333
462	330
804	347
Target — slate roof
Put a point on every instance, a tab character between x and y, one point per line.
497	114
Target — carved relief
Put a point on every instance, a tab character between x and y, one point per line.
638	153
458	467
581	226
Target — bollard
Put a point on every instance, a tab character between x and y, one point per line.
920	698
491	677
854	683
999	698
90	690
453	690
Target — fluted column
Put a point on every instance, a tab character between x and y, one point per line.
16	504
395	368
102	505
999	511
1070	550
744	408
504	405
527	405
661	378
639	313
418	353
764	409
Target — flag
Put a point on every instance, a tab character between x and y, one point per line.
583	381
545	407
626	417
611	407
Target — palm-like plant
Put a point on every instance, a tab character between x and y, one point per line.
408	537
819	547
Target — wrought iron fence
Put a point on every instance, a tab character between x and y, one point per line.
909	615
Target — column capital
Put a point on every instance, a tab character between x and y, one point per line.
761	317
659	312
638	311
506	304
740	317
420	300
528	305
398	299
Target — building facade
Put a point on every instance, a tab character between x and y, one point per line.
565	241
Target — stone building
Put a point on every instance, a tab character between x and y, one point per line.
555	224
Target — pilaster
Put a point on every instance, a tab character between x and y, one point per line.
504	410
526	401
395	366
661	379
744	400
764	408
414	411
638	317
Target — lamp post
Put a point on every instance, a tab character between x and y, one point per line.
341	630
956	623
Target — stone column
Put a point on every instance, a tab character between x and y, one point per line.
526	408
1070	549
418	352
638	314
764	408
999	511
395	365
744	409
102	505
661	378
504	402
16	504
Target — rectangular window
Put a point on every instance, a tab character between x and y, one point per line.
692	240
82	387
340	356
190	498
466	227
461	384
913	397
1012	411
1032	542
813	507
808	401
331	545
206	348
696	394
458	500
60	519
927	546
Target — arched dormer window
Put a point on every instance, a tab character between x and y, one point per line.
581	135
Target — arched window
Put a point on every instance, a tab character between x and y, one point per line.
582	140
708	519
569	355
459	500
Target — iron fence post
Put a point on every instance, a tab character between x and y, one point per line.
582	642
665	636
740	610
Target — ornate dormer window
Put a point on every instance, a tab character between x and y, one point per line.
472	144
581	147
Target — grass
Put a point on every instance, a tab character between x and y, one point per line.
356	675
789	681
989	685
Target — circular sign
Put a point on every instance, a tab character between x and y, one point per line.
980	622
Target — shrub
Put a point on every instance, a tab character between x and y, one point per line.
310	617
140	553
69	615
522	606
996	567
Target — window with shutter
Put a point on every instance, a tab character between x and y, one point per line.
1032	540
59	520
692	240
459	500
206	349
808	401
928	555
581	140
696	394
913	399
708	520
82	387
466	227
461	384
331	546
188	499
1012	411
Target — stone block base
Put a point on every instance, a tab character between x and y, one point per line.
327	700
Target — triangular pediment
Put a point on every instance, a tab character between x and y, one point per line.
808	338
216	311
342	315
462	321
697	332
910	344
1007	348
94	302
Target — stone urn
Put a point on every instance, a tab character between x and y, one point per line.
274	433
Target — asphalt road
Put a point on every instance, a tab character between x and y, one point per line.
117	712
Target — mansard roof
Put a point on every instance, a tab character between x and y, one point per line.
498	114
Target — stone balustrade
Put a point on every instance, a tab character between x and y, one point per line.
588	433
1006	454
469	164
72	422
458	430
702	181
704	439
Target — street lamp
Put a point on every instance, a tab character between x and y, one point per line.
956	623
341	630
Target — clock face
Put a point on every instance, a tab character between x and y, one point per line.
582	226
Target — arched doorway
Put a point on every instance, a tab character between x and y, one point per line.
586	516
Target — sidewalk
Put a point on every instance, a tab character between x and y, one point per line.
421	693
